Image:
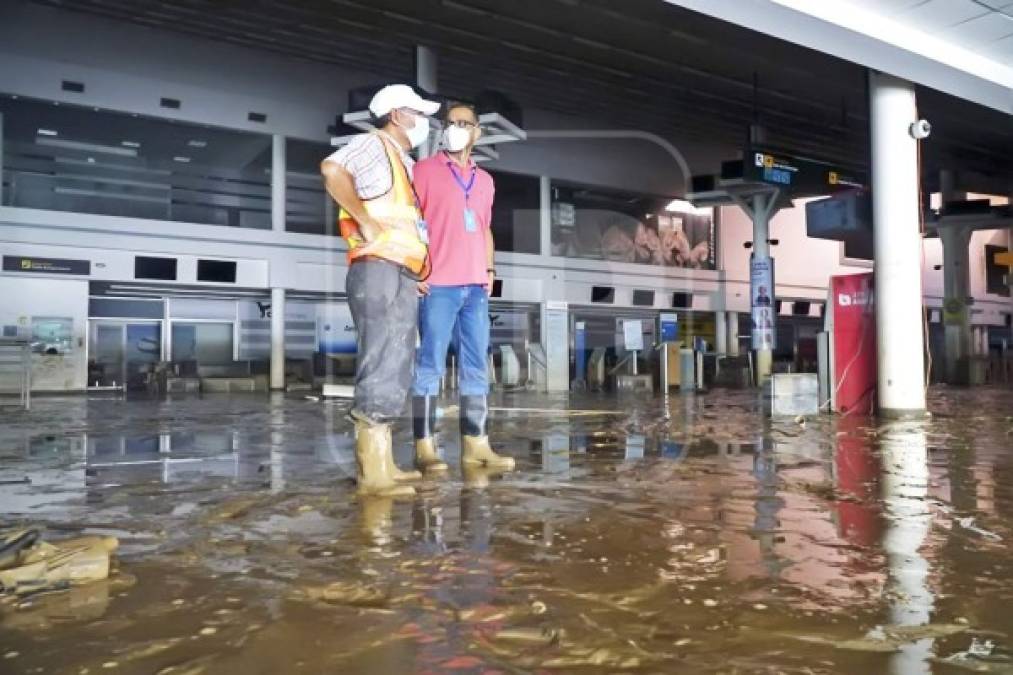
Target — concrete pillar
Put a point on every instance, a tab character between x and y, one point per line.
898	246
279	167
426	77
2	200
721	333
545	215
277	338
761	250
733	333
956	290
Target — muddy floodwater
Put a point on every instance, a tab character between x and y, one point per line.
637	535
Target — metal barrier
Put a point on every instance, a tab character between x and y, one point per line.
16	360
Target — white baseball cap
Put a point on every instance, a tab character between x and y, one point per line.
395	96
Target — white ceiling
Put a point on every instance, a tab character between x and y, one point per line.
960	47
983	26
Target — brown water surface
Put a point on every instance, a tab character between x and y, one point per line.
682	536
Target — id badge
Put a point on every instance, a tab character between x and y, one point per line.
470	224
423	231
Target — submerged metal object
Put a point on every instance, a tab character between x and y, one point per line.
29	565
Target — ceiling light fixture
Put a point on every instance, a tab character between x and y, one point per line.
130	144
197	144
682	206
182	160
47	132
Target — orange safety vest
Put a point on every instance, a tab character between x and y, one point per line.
398	212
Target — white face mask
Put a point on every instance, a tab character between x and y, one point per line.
418	134
456	139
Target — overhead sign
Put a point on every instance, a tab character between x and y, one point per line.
18	263
800	176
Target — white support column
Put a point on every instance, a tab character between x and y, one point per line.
2	201
898	246
277	338
545	215
733	333
279	168
721	333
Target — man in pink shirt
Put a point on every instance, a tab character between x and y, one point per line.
456	200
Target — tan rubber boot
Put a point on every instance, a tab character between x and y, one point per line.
398	475
476	450
375	459
427	459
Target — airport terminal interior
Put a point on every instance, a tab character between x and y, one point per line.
750	341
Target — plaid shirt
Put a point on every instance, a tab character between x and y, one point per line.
366	159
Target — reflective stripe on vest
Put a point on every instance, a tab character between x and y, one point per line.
398	213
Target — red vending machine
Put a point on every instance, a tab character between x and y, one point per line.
851	327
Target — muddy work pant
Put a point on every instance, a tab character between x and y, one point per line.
383	298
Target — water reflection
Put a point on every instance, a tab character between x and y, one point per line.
905	486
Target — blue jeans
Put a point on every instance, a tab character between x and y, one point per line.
461	314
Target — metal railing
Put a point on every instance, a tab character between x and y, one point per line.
16	362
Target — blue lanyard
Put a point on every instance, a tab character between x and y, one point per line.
464	186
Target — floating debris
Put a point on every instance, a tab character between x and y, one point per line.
347	593
968	524
534	636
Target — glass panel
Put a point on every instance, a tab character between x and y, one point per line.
214	343
105	365
67	158
184	342
52	335
306	200
144	349
209	344
603	224
515	212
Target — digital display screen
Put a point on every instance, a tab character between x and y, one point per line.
643	298
603	294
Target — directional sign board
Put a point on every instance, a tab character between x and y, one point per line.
798	176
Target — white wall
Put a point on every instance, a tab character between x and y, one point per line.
130	68
805	265
50	296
